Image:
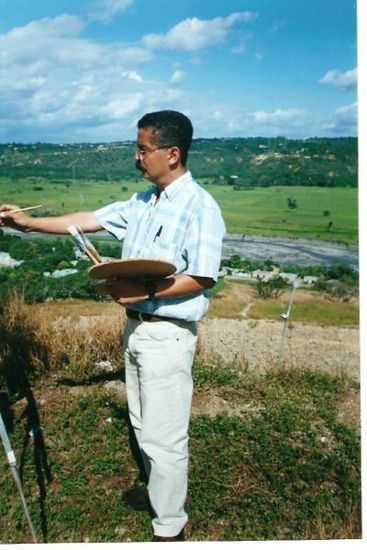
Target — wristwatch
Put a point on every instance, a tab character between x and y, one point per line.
151	289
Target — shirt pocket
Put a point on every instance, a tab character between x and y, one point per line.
164	250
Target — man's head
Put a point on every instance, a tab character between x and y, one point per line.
169	129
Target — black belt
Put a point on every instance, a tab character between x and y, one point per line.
146	316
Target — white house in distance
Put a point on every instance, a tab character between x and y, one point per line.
265	276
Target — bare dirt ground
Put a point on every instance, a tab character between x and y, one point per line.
255	345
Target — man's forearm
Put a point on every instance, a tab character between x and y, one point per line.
127	291
180	285
60	224
9	217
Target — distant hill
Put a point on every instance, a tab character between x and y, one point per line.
241	162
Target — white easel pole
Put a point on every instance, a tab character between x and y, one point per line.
13	466
285	317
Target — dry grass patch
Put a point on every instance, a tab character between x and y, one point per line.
58	339
308	307
230	302
74	309
240	300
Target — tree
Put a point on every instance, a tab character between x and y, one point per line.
292	203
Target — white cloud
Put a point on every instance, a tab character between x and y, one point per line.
53	76
105	10
195	34
62	25
343	121
30	44
291	123
132	75
293	116
342	81
233	121
177	77
278	24
117	109
349	112
58	83
238	50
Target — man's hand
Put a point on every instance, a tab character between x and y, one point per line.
126	291
18	220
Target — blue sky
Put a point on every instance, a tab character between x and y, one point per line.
86	71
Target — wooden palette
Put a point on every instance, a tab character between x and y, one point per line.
132	269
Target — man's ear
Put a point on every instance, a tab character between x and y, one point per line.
174	156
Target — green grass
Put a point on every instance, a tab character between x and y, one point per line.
323	314
257	211
61	198
264	211
315	307
289	462
283	467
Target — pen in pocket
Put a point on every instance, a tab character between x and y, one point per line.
158	233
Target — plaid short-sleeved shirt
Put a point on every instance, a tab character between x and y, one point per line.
185	228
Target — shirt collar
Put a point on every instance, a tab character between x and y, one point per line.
176	186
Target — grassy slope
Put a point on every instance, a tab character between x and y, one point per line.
283	467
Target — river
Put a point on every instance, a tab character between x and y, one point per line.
284	251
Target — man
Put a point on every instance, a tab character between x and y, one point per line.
176	221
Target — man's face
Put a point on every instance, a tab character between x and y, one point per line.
149	159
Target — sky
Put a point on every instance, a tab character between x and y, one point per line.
86	71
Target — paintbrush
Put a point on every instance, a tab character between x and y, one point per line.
26	208
84	243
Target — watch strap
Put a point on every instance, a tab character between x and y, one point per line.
151	288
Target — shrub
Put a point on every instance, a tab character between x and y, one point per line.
342	272
23	249
64	265
271	288
338	290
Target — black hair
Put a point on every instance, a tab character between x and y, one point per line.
171	129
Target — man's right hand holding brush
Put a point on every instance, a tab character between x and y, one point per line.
13	216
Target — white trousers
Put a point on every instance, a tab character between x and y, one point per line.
158	361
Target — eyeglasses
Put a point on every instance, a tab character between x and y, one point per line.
142	153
